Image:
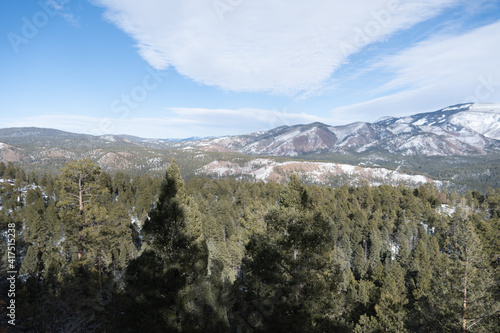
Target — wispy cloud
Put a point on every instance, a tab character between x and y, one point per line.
283	46
178	123
63	9
70	18
434	73
232	121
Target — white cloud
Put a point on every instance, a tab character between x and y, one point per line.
63	9
435	73
180	123
281	46
243	121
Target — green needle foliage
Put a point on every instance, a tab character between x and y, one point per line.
289	271
100	252
170	282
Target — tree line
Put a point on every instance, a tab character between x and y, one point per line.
106	253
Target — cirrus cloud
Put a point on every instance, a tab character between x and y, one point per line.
442	70
282	46
175	122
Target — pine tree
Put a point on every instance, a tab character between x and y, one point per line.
472	275
375	248
360	261
289	281
173	227
10	171
403	255
169	282
78	185
391	312
421	272
2	168
460	295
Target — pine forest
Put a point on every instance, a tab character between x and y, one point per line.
111	252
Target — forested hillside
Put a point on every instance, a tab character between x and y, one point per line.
96	252
45	150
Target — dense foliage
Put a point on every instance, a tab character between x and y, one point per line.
106	253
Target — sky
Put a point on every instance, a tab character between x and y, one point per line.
197	68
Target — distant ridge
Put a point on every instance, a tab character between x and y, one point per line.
462	130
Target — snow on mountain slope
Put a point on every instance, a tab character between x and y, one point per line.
299	140
317	172
342	132
464	129
481	118
281	141
357	134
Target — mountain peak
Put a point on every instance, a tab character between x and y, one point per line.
384	119
316	124
452	130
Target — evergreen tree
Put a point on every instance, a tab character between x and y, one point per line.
390	310
169	283
472	276
289	281
144	194
10	171
460	294
78	186
2	168
316	259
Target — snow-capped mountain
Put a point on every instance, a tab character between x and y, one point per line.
464	129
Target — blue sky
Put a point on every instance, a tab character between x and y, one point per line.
175	69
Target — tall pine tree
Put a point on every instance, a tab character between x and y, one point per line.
169	285
288	282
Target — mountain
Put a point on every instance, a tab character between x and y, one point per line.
46	149
461	130
443	145
464	129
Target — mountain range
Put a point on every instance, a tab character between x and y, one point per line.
459	143
463	130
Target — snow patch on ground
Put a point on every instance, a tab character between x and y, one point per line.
109	138
447	209
394	250
429	231
317	172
